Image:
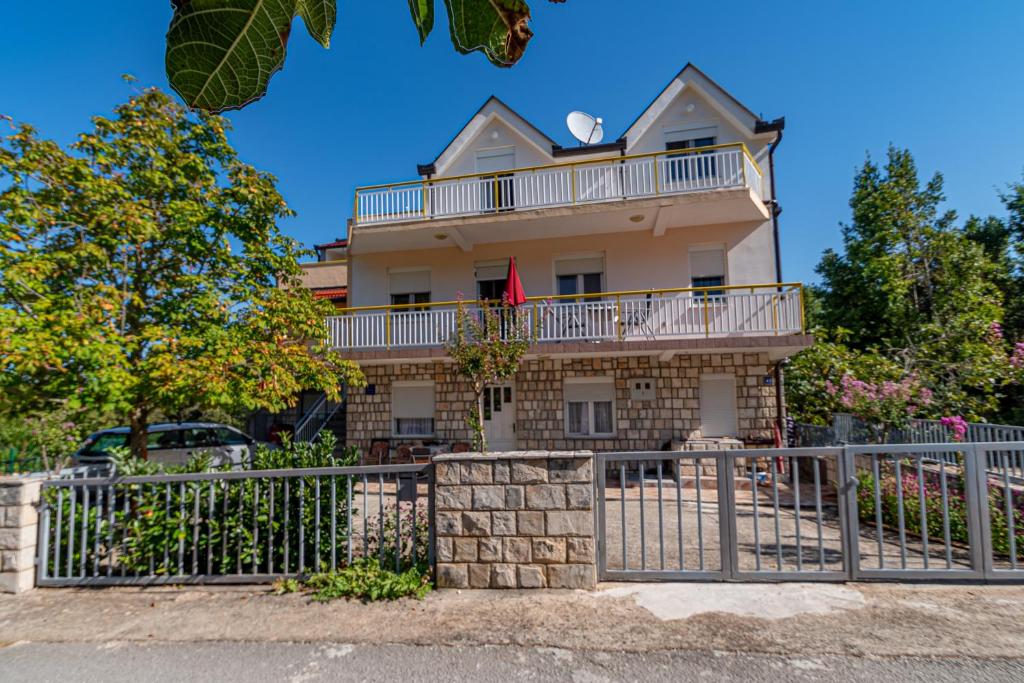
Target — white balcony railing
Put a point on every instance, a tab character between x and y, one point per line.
742	310
629	177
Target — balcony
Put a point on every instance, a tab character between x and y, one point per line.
635	316
642	176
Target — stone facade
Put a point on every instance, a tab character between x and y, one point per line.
515	520
674	414
19	520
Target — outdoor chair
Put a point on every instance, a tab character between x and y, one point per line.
639	319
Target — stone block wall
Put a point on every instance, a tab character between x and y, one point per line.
515	520
19	519
673	415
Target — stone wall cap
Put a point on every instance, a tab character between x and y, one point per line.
513	455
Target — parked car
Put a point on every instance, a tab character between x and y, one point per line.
172	443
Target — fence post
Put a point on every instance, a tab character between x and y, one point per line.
726	512
979	529
849	524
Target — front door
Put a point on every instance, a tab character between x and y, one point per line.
500	416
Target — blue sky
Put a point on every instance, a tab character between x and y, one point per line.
942	78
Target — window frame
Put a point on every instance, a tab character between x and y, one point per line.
394	427
590	408
723	249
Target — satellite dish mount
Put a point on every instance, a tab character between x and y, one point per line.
585	128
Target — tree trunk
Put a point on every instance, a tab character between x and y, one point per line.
137	439
481	438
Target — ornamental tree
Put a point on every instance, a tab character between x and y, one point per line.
142	272
884	406
221	54
912	287
486	347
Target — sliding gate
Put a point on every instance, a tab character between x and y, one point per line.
904	512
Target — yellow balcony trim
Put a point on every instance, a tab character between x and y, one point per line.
536	300
546	167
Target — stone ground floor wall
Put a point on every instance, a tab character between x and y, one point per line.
673	415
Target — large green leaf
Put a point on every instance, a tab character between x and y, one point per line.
498	28
221	54
422	16
319	16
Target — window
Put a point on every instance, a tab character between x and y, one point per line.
707	269
409	287
691	165
580	276
490	279
230	437
590	407
199	438
412	409
497	192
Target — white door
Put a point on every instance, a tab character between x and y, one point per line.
500	417
718	405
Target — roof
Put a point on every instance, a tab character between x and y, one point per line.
336	244
331	293
499	103
693	82
164	427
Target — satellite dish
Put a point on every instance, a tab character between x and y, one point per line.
585	128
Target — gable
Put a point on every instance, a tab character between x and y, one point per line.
494	125
710	103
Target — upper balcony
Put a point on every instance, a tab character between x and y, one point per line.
727	173
719	313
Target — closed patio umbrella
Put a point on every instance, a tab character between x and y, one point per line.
514	293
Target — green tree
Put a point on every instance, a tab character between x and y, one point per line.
142	271
486	348
913	288
221	54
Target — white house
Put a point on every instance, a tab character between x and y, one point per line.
650	262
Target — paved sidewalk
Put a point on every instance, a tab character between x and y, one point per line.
306	662
794	620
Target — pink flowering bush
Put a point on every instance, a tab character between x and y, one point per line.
883	406
1017	359
957	425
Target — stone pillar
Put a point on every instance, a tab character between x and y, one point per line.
19	499
515	520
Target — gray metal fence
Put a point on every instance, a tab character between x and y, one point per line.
240	526
849	429
894	512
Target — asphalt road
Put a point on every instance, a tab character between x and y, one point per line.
227	662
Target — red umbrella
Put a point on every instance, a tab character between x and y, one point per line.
514	293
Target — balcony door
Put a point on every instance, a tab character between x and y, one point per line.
497	192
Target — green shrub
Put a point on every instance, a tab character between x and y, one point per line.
153	531
367	580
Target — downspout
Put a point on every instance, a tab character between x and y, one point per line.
763	127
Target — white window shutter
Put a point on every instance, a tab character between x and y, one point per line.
409	281
412	401
579	266
707	263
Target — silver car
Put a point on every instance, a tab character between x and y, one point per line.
172	443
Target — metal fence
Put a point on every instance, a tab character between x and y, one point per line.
849	429
241	526
894	512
